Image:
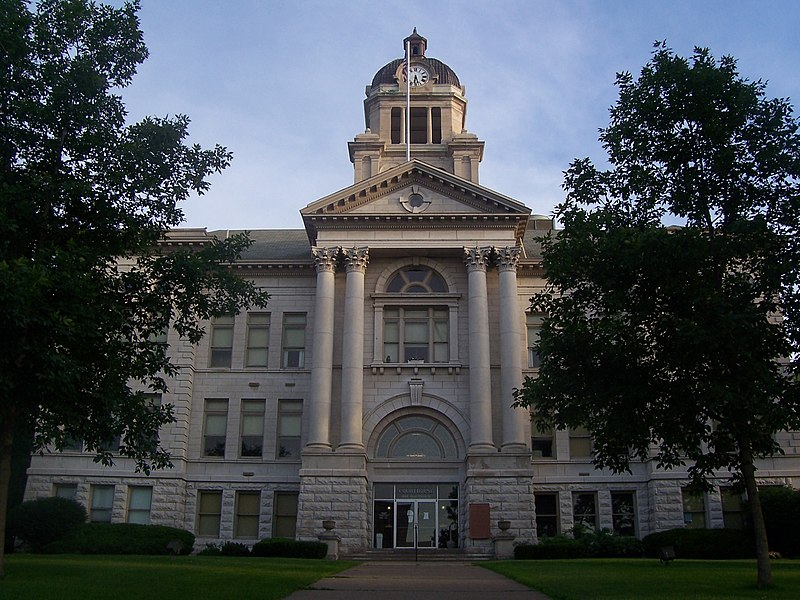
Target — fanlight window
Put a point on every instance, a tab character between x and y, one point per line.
416	437
417	280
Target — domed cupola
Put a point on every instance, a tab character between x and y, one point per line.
418	108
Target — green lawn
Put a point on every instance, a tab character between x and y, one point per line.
647	579
67	577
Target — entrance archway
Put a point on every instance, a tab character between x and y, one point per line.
416	515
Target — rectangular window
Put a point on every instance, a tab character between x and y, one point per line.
541	441
580	443
290	417
284	519
546	514
416	333
294	341
209	510
139	500
397	126
252	428
623	513
733	514
534	321
66	490
248	509
102	503
257	339
419	125
694	509
221	342
72	445
436	125
584	509
215	427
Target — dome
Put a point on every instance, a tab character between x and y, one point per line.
441	72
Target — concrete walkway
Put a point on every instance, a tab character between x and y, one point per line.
417	581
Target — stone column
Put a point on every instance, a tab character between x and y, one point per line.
356	260
322	370
430	126
480	385
515	420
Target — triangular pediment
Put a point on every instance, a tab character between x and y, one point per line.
414	192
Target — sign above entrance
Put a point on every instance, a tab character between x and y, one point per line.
413	491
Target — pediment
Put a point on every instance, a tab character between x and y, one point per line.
414	192
387	193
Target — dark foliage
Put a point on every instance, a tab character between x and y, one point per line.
123	538
716	544
234	549
585	544
45	520
781	507
290	548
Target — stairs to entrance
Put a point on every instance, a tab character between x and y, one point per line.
423	554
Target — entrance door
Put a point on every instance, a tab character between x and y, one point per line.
416	524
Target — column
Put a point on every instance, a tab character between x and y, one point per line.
514	419
356	260
480	385
322	370
430	126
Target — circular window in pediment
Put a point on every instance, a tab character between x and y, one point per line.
415	202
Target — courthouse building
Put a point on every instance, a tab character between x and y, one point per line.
376	388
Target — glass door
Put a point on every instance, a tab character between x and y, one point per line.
416	524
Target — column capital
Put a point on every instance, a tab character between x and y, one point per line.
356	259
477	259
325	259
507	258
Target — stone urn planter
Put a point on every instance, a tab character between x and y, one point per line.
328	524
504	525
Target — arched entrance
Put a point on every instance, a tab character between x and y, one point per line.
420	507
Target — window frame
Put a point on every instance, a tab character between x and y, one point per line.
94	509
690	509
289	408
248	517
220	356
617	516
576	436
533	327
255	409
579	519
288	326
252	326
60	488
207	411
204	516
541	438
544	515
279	518
139	511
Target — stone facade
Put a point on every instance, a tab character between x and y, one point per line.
375	390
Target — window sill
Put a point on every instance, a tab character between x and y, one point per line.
381	368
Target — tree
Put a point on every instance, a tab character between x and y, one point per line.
86	283
678	344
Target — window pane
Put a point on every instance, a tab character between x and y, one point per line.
216	424
295	337
391	332
210	502
247	514
222	337
440	333
140	498
290	424
66	490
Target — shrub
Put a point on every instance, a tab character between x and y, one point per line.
781	508
234	549
46	520
290	548
125	538
211	550
701	543
585	544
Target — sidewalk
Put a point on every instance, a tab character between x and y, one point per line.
417	581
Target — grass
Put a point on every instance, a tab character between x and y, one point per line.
648	579
68	577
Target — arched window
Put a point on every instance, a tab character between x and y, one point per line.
416	328
416	437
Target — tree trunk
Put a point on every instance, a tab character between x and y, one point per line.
6	447
759	529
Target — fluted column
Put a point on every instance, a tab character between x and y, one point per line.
514	419
322	370
356	260
480	385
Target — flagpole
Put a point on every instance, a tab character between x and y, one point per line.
408	101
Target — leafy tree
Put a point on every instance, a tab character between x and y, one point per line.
679	344
86	201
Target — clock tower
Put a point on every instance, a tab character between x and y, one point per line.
435	122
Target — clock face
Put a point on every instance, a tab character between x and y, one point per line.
417	75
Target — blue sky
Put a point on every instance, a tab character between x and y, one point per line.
281	82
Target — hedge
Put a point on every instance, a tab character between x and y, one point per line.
781	508
701	543
45	520
586	544
287	548
124	538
